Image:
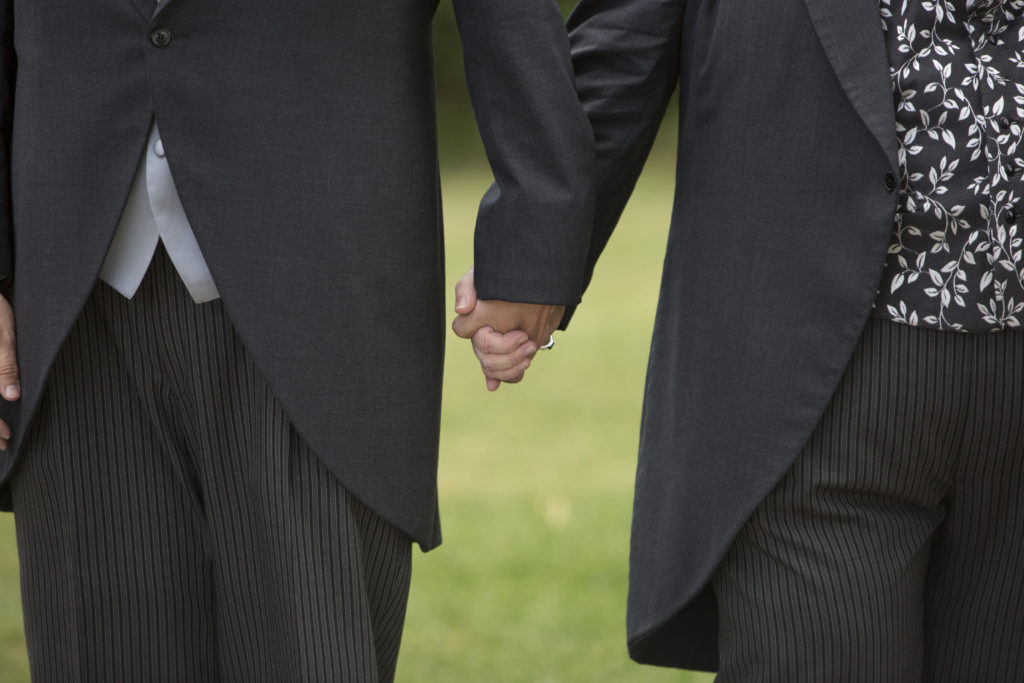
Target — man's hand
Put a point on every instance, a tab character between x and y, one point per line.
538	321
505	335
10	385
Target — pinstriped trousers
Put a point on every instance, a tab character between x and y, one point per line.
893	549
173	527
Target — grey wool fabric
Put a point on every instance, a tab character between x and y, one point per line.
159	541
779	232
302	140
784	206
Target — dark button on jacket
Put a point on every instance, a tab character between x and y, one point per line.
161	37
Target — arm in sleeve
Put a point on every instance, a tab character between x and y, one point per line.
626	58
535	222
8	69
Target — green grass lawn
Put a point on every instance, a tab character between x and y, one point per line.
536	484
536	480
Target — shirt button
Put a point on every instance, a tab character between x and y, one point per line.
1010	170
1005	122
158	148
890	182
1009	216
161	37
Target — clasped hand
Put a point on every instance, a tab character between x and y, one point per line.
10	385
505	335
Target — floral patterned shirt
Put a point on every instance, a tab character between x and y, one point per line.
955	261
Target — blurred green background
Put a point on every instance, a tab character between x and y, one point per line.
536	479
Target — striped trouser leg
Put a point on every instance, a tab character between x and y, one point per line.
893	549
173	526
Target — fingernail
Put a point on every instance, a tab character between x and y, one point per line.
11	391
460	302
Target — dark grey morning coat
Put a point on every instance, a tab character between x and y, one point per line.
781	223
301	136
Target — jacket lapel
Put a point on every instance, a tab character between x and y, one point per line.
851	32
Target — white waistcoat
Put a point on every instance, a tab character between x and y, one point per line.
154	213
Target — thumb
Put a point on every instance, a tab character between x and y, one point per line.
10	384
467	325
465	294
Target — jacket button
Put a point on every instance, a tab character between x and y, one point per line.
161	37
890	182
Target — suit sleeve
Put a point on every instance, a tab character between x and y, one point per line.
8	69
626	58
534	223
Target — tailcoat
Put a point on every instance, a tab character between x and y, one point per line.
301	136
782	217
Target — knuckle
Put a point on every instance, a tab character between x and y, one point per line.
491	364
513	375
